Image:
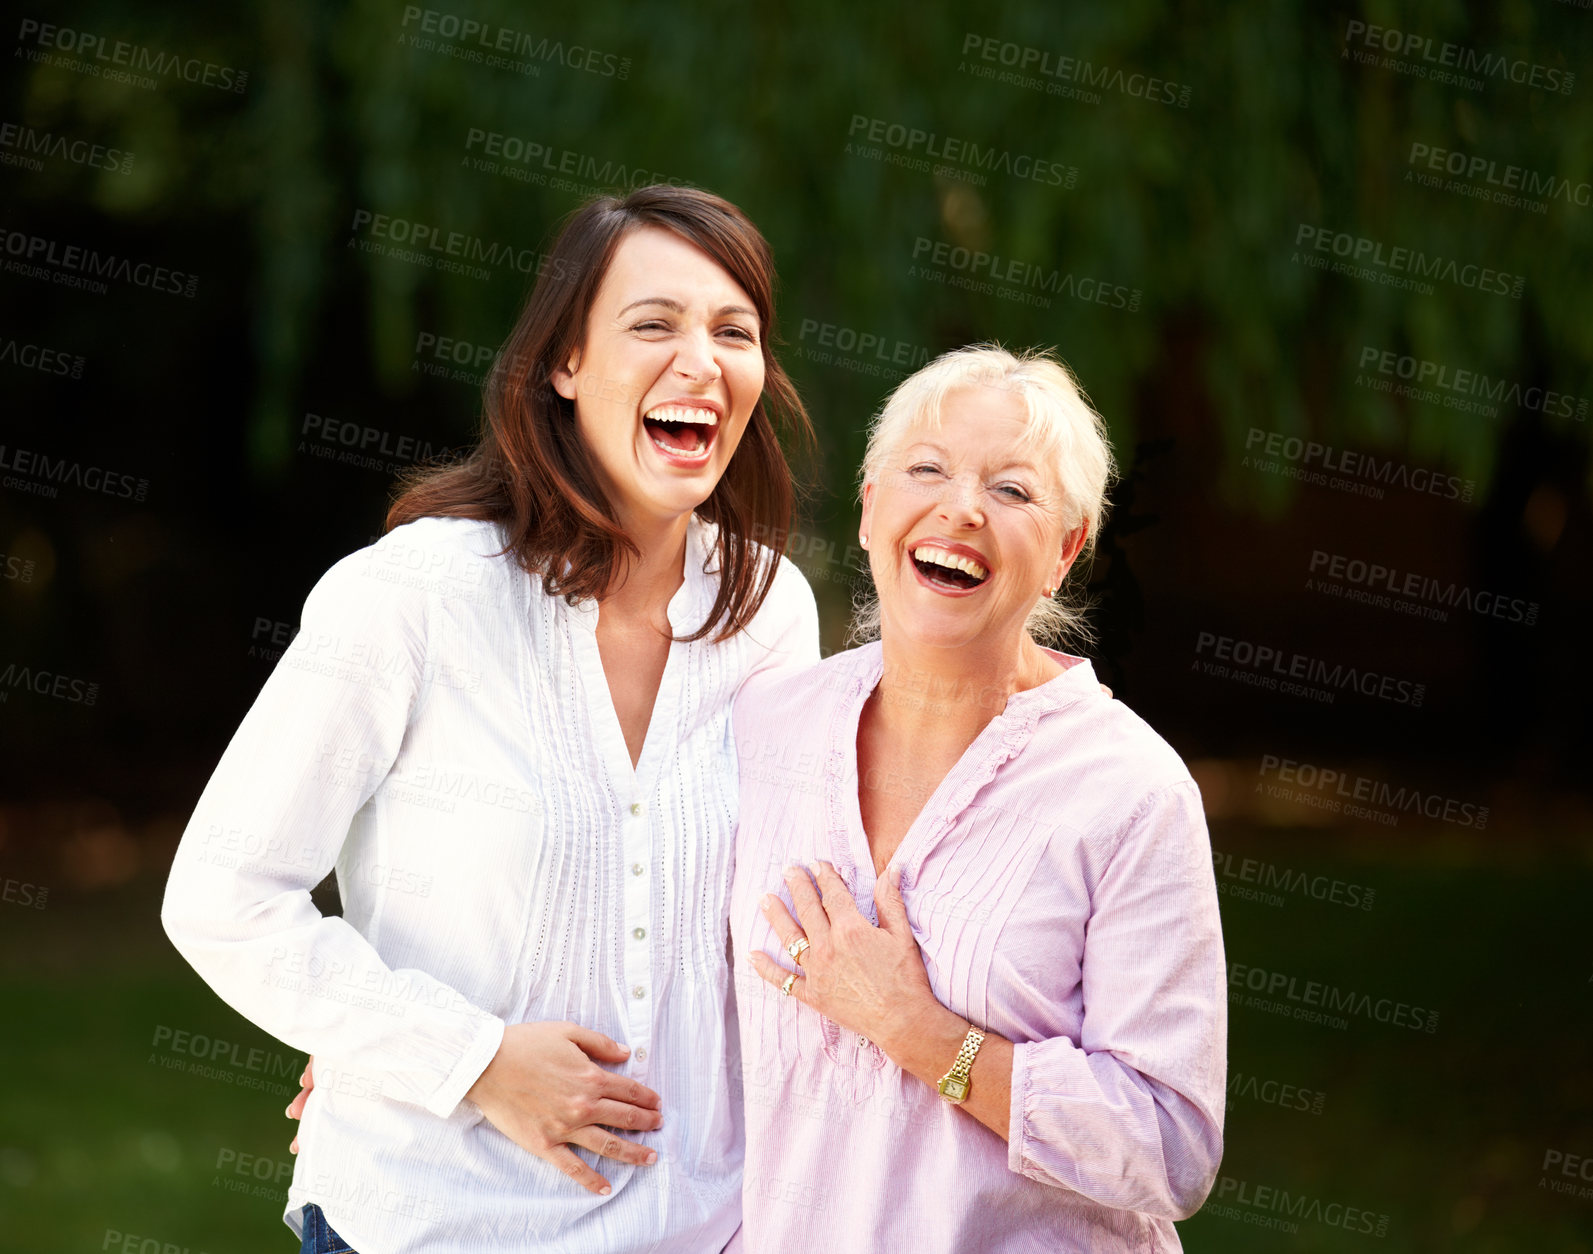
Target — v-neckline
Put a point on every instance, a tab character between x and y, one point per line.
636	779
846	807
606	727
997	740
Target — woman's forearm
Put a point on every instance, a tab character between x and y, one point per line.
926	1046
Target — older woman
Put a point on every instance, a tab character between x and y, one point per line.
978	892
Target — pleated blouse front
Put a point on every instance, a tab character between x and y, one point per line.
1059	884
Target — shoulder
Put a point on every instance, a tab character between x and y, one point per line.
1109	762
799	696
437	546
785	630
790	598
402	572
1114	737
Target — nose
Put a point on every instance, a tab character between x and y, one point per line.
695	359
960	503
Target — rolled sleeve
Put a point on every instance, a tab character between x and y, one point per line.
269	826
1131	1114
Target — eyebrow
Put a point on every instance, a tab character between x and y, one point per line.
941	449
675	306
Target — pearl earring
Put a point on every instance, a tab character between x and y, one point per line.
863	540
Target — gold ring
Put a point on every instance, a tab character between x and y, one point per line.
797	948
785	989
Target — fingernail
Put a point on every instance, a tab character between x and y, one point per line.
288	1111
791	872
605	1190
768	900
652	1157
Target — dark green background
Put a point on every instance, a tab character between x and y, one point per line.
1197	209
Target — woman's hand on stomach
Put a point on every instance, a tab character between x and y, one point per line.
545	1092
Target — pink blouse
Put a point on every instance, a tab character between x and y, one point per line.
1059	882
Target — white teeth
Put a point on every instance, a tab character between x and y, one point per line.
924	553
681	413
700	451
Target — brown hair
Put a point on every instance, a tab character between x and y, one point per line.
530	470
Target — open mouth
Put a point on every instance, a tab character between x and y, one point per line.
948	570
685	435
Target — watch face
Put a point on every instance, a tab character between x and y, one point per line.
954	1089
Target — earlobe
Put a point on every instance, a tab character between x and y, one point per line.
868	511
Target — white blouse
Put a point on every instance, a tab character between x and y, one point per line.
442	730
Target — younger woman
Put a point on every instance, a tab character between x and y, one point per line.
506	724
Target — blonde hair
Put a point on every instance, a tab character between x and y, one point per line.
1064	433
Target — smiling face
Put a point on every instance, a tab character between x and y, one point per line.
965	526
667	379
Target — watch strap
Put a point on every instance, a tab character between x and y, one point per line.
954	1085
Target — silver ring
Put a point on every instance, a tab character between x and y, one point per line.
797	948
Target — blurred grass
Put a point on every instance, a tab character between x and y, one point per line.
1444	1133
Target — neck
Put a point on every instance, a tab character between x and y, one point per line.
930	692
651	578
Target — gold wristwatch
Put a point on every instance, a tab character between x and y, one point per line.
954	1085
